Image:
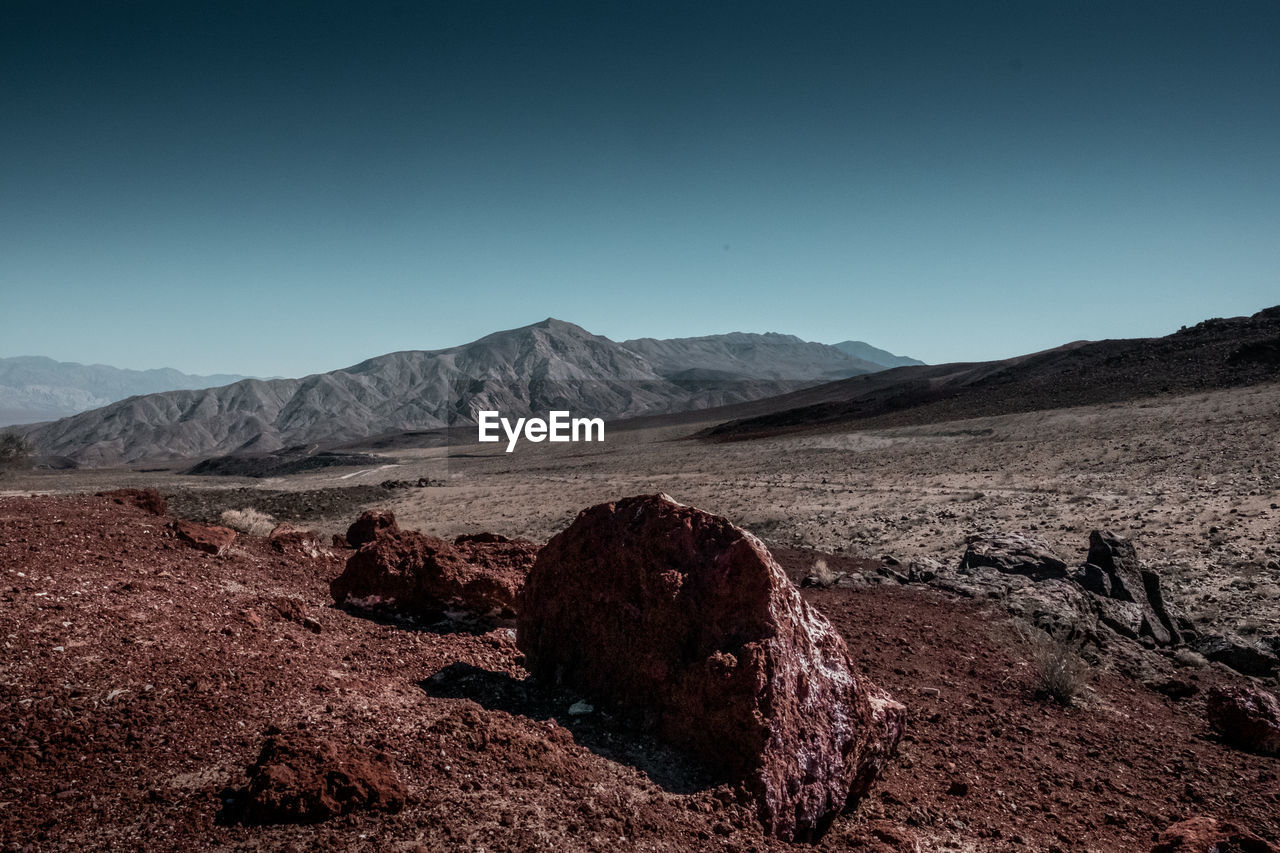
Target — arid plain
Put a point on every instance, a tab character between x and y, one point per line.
1193	480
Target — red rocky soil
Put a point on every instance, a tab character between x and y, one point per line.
141	677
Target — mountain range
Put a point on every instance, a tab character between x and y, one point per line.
1214	354
547	365
35	388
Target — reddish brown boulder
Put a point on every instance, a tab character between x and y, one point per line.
209	538
1247	717
404	573
1207	835
368	525
286	538
303	779
686	620
147	500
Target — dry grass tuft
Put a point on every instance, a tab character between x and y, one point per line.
822	575
249	520
1055	658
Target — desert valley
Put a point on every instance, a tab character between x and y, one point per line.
796	598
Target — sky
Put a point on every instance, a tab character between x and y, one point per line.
282	188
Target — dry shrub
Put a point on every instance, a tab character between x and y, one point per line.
249	520
822	574
1061	672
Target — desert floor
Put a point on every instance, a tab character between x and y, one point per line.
1193	480
140	677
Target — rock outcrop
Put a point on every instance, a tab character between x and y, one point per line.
678	617
1208	835
1247	717
1238	653
1014	554
1134	603
1111	589
405	573
303	779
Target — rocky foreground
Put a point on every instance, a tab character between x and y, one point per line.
164	686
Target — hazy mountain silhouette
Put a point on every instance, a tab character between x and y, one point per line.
35	388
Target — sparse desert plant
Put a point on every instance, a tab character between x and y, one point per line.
249	520
822	575
16	450
1060	671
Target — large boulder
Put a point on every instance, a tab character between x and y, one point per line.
1014	554
679	618
405	573
302	779
1247	717
1135	605
1208	835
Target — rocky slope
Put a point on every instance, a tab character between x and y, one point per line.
1217	353
35	388
548	365
740	354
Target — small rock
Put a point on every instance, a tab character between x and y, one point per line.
312	624
579	708
209	538
302	779
1247	717
1175	688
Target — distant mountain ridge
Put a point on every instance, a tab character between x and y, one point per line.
36	388
883	358
763	356
1217	353
519	372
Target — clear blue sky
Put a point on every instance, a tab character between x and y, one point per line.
282	188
